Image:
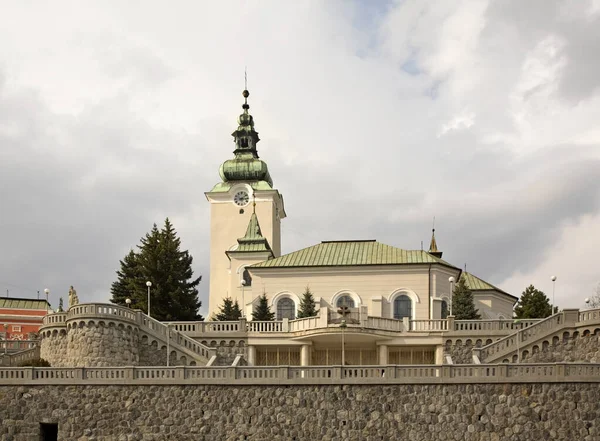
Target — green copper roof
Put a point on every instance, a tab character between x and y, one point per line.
253	240
474	283
16	303
351	253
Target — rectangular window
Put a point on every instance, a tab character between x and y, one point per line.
16	328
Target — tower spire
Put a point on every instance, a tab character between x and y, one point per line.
246	165
433	249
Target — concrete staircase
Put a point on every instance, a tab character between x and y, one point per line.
203	355
512	347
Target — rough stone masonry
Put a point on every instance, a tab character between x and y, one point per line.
472	412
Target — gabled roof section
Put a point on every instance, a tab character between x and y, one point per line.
18	303
474	283
351	253
253	240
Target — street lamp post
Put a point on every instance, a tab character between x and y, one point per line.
342	327
149	284
168	343
128	302
451	280
47	292
243	283
553	278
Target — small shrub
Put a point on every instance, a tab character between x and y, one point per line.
36	362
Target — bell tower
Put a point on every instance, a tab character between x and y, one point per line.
246	190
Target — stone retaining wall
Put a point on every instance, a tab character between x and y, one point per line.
482	412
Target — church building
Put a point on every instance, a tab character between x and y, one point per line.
365	276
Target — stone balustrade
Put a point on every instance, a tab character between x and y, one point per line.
428	325
17	345
58	318
387	374
105	334
471	326
533	333
447	327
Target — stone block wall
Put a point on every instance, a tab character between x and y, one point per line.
55	348
478	412
461	351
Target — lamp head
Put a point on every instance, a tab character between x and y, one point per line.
553	278
46	291
148	283
451	279
587	300
243	282
128	301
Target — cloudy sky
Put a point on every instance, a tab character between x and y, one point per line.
374	117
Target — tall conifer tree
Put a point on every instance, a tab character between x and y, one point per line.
160	260
463	304
229	311
263	310
533	304
307	304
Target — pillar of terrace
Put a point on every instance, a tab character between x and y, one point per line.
439	354
251	355
383	355
305	355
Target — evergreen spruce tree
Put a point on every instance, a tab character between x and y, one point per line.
307	305
463	305
263	310
160	260
533	304
229	311
124	287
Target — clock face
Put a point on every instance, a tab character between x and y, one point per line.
241	198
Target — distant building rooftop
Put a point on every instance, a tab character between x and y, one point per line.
19	303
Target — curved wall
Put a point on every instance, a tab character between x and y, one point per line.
99	336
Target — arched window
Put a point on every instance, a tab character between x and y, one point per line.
345	300
444	309
286	308
402	307
247	278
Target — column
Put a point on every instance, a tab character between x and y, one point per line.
383	355
305	355
439	354
251	355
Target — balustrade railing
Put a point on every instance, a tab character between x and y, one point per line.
275	326
429	325
56	318
304	324
493	325
589	315
206	327
101	310
158	328
386	324
513	342
392	374
17	345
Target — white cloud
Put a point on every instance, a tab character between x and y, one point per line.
115	115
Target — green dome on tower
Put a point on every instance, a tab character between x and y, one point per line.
246	165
